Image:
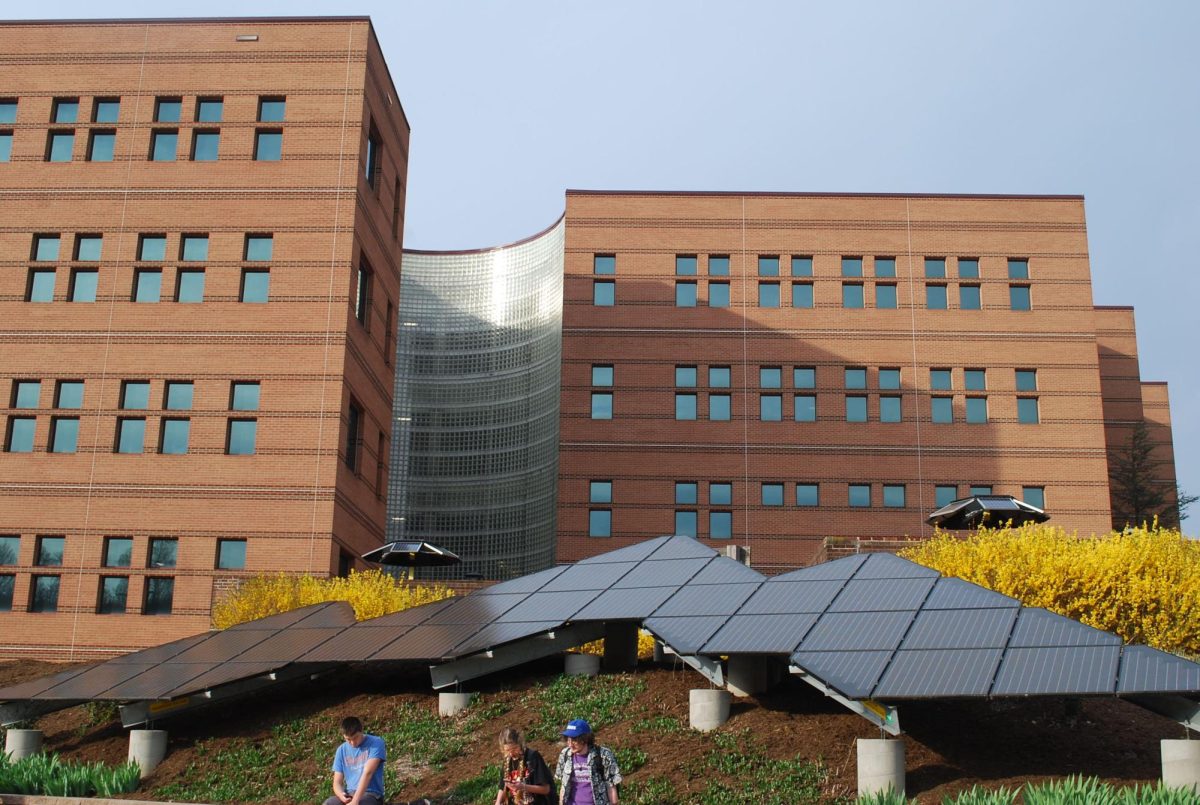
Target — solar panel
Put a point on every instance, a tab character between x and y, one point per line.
477	608
289	645
707	599
223	674
630	553
559	607
32	688
524	584
850	673
355	643
1148	670
961	628
950	593
857	631
222	646
329	613
158	654
939	673
92	683
1037	627
682	548
495	634
842	568
1067	671
411	616
890	566
874	595
759	634
616	604
666	573
686	634
723	570
426	642
792	596
158	681
599	576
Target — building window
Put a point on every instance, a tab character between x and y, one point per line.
26	393
885	296
889	378
7	584
6	138
768	294
889	408
147	285
604	264
88	248
231	554
719	407
977	410
604	293
685	265
859	496
968	268
852	267
935	267
48	551
772	494
1018	297
210	110
1026	379
802	295
856	378
808	495
770	377
43	596
118	552
718	294
206	145
685	523
354	424
885	267
600	492
602	405
718	265
935	297
804	377
101	145
178	395
131	435
152	248
45	248
685	406
106	110
59	146
944	495
114	590
193	248
271	109
189	285
600	520
174	437
268	145
10	549
164	145
856	408
1034	496
975	379
160	593
893	496
602	374
1018	269
941	410
69	394
40	287
241	437
167	110
719	377
968	297
64	434
19	438
1027	411
720	525
256	286
939	379
770	407
720	493
135	394
373	165
163	553
362	296
258	248
981	489
768	266
8	110
805	408
852	295
244	396
802	266
685	376
685	294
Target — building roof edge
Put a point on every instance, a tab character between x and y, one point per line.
486	249
816	194
181	20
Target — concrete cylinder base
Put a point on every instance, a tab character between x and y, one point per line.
582	665
147	748
450	704
660	652
746	675
1181	764
707	708
22	743
880	766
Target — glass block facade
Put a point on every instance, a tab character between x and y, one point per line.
475	444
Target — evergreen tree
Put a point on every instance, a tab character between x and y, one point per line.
1138	494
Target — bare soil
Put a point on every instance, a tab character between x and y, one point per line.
950	745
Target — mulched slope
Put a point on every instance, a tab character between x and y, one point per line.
950	745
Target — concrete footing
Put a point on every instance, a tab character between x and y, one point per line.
880	766
1181	764
660	652
22	743
147	748
746	675
450	704
581	664
708	708
620	646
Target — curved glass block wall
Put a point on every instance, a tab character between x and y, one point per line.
475	442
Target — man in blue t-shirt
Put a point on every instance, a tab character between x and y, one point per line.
358	767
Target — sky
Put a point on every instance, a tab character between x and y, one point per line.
513	102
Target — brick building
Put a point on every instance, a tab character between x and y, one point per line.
200	248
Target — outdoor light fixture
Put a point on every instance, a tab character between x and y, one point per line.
246	38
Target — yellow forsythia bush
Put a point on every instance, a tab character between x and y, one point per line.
372	593
1141	583
645	646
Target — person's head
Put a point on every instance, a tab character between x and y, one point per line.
352	730
579	736
511	743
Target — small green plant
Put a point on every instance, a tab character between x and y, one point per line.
478	790
889	797
630	758
978	795
602	700
661	725
652	791
48	774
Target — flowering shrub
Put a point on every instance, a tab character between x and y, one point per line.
372	593
645	646
1141	583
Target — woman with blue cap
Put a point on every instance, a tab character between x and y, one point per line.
588	773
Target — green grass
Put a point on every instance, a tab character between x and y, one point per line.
48	774
478	790
602	700
661	725
737	771
1069	791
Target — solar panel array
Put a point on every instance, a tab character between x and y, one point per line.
866	626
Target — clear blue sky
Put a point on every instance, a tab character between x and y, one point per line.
511	102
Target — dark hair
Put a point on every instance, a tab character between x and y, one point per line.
508	735
588	738
351	725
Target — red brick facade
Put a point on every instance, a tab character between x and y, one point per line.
313	348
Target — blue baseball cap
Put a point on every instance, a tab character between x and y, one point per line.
576	728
